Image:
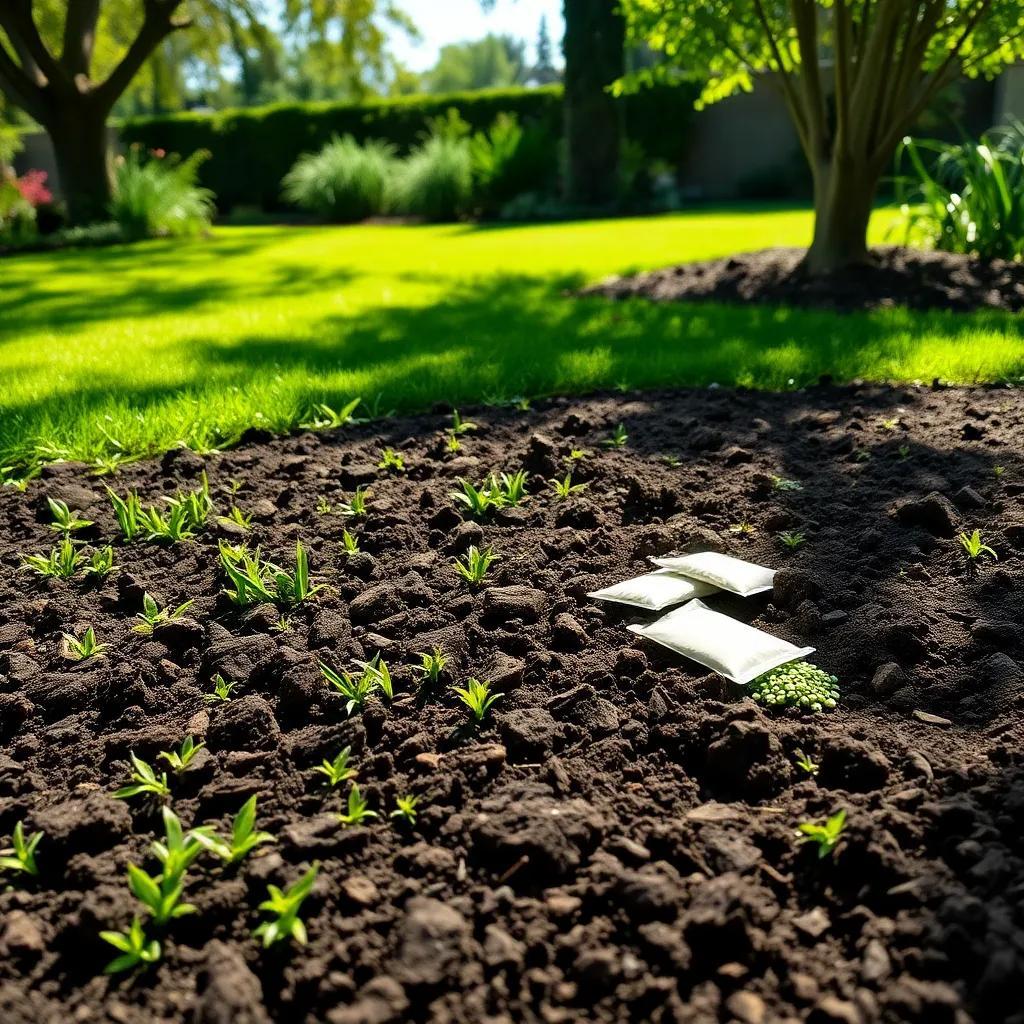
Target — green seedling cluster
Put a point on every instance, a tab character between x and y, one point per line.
256	581
477	697
792	539
180	759
473	567
806	763
391	460
338	769
64	520
355	508
565	488
780	483
20	856
83	647
826	836
496	492
61	563
405	809
236	517
152	615
432	664
135	948
349	543
144	781
323	417
459	425
358	809
184	515
617	439
285	906
375	676
974	547
222	690
101	564
244	838
796	685
162	894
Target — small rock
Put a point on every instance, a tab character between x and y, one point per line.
501	949
20	937
376	603
814	923
567	634
875	964
515	602
747	1007
247	723
360	890
228	991
529	733
831	1010
433	937
888	678
934	513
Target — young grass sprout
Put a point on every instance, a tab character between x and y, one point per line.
473	567
355	691
432	664
565	488
478	501
827	836
349	543
180	759
144	780
20	856
974	547
356	507
358	810
792	539
323	417
806	763
255	581
780	483
101	564
135	949
478	698
617	438
338	770
405	809
82	648
222	690
61	563
459	425
391	460
285	907
64	520
236	517
244	838
152	616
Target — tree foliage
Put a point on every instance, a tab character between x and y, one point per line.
496	61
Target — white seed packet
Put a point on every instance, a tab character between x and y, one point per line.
722	571
654	591
726	646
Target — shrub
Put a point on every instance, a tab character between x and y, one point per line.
436	180
19	200
158	195
967	197
344	181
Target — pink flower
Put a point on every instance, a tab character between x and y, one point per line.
32	186
159	153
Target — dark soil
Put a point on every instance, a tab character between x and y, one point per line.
895	277
617	844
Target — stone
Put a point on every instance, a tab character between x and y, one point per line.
934	513
432	943
792	587
747	1007
501	949
515	602
360	890
20	937
875	963
247	723
830	1010
814	923
377	603
888	678
529	733
567	633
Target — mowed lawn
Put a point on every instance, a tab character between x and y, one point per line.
166	342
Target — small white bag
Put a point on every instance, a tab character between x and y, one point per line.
654	591
731	648
723	571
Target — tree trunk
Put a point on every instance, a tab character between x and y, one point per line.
595	34
844	193
83	165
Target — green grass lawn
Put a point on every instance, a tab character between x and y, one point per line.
164	342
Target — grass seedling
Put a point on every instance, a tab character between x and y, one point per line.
285	907
349	543
405	809
323	506
283	625
391	460
826	836
473	568
256	581
236	517
152	615
61	563
743	528
101	564
478	501
338	770
805	763
358	809
377	670
244	836
782	484
459	425
453	444
180	759
128	512
175	525
792	539
64	520
903	451
672	461
135	949
891	423
998	471
161	894
617	438
575	455
144	780
355	691
431	666
511	488
222	690
20	856
974	547
323	417
86	647
478	698
355	508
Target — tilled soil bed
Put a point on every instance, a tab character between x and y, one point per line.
616	843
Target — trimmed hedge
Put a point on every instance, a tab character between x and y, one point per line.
252	149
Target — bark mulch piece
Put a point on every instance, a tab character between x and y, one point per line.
896	277
617	843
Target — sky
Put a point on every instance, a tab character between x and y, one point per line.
455	21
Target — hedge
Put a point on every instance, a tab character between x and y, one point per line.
252	149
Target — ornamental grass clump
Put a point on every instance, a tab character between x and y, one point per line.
796	685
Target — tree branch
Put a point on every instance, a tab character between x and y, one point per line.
844	71
805	19
19	88
157	25
79	36
17	21
799	115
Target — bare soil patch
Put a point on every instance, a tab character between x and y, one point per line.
896	276
616	844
